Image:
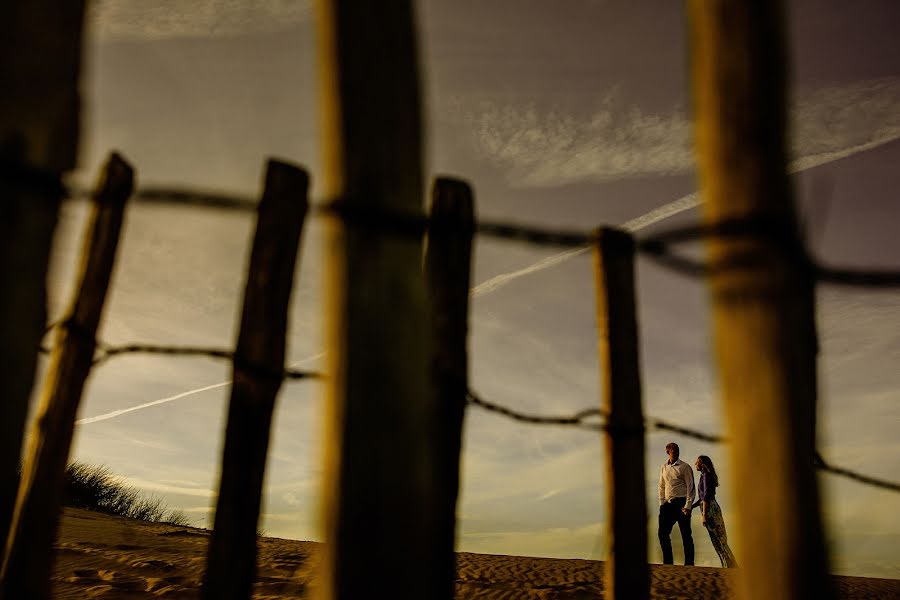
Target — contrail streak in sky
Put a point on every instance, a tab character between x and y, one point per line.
494	283
658	214
673	208
118	413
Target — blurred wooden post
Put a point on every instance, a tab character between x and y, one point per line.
379	497
763	312
257	377
40	56
627	573
29	559
447	271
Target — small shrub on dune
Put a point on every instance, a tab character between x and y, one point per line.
122	504
148	509
93	488
96	488
178	518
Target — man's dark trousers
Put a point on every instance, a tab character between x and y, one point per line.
669	514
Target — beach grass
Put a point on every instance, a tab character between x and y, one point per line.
96	488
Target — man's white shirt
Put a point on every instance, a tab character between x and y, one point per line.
676	480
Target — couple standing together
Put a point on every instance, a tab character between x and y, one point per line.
676	503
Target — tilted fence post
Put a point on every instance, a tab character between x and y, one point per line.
627	572
379	476
448	259
257	377
40	64
29	559
763	303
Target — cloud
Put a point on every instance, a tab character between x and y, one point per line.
291	499
888	132
551	542
117	413
111	20
496	481
159	486
204	510
828	119
548	495
498	281
550	147
122	411
546	148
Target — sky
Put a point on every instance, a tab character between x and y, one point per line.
568	114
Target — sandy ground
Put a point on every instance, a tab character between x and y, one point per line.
110	557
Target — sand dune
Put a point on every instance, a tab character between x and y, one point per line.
99	556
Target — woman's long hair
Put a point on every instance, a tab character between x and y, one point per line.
707	462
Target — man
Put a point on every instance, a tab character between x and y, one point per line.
676	497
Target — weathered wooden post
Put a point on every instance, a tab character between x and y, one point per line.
448	259
257	377
40	62
763	304
379	499
29	558
627	573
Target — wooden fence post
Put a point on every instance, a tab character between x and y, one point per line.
257	377
29	558
763	302
40	52
627	573
448	260
379	501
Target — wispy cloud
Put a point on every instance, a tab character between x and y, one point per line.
142	19
551	147
118	413
158	486
562	542
889	132
883	135
498	281
548	495
124	411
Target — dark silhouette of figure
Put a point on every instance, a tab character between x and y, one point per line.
710	512
676	501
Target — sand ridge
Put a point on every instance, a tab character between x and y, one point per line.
100	556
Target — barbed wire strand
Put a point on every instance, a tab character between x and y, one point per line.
581	419
105	352
578	420
855	476
658	246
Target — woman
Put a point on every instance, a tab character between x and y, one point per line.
710	511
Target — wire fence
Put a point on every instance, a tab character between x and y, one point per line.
583	419
660	246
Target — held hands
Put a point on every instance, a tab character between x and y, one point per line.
686	510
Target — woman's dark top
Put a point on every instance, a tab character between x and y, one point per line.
705	491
